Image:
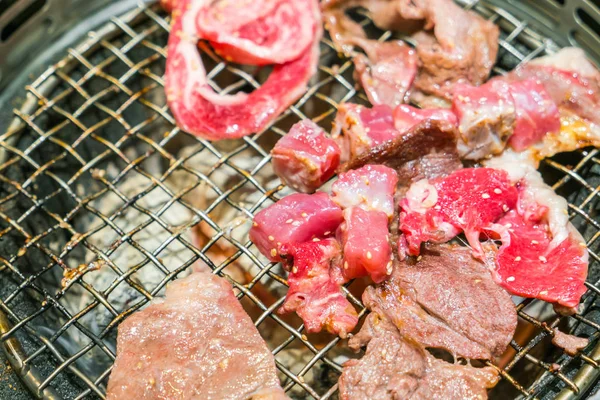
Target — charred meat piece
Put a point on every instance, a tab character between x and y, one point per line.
447	300
296	218
305	158
469	200
371	187
542	253
201	111
427	137
196	343
366	244
357	128
314	293
387	71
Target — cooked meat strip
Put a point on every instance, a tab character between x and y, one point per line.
196	343
387	71
314	291
569	343
391	367
305	158
296	218
447	300
371	187
427	137
395	367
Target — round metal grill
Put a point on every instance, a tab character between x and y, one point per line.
103	201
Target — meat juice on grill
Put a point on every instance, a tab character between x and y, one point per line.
196	343
315	292
305	158
201	111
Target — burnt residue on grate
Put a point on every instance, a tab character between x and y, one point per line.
103	201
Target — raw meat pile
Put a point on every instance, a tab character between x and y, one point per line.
401	193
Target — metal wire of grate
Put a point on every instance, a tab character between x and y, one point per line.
103	201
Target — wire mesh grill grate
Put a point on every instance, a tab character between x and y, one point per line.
103	201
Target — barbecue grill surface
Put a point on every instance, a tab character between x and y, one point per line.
101	206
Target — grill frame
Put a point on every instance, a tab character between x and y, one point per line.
522	43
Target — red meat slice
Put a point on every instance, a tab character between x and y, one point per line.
405	117
528	265
296	218
469	200
357	128
536	114
365	239
313	292
202	112
371	187
305	158
258	32
386	72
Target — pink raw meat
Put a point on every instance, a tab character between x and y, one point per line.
296	218
259	32
305	158
469	200
365	239
314	294
536	114
202	112
358	128
529	265
405	117
371	187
